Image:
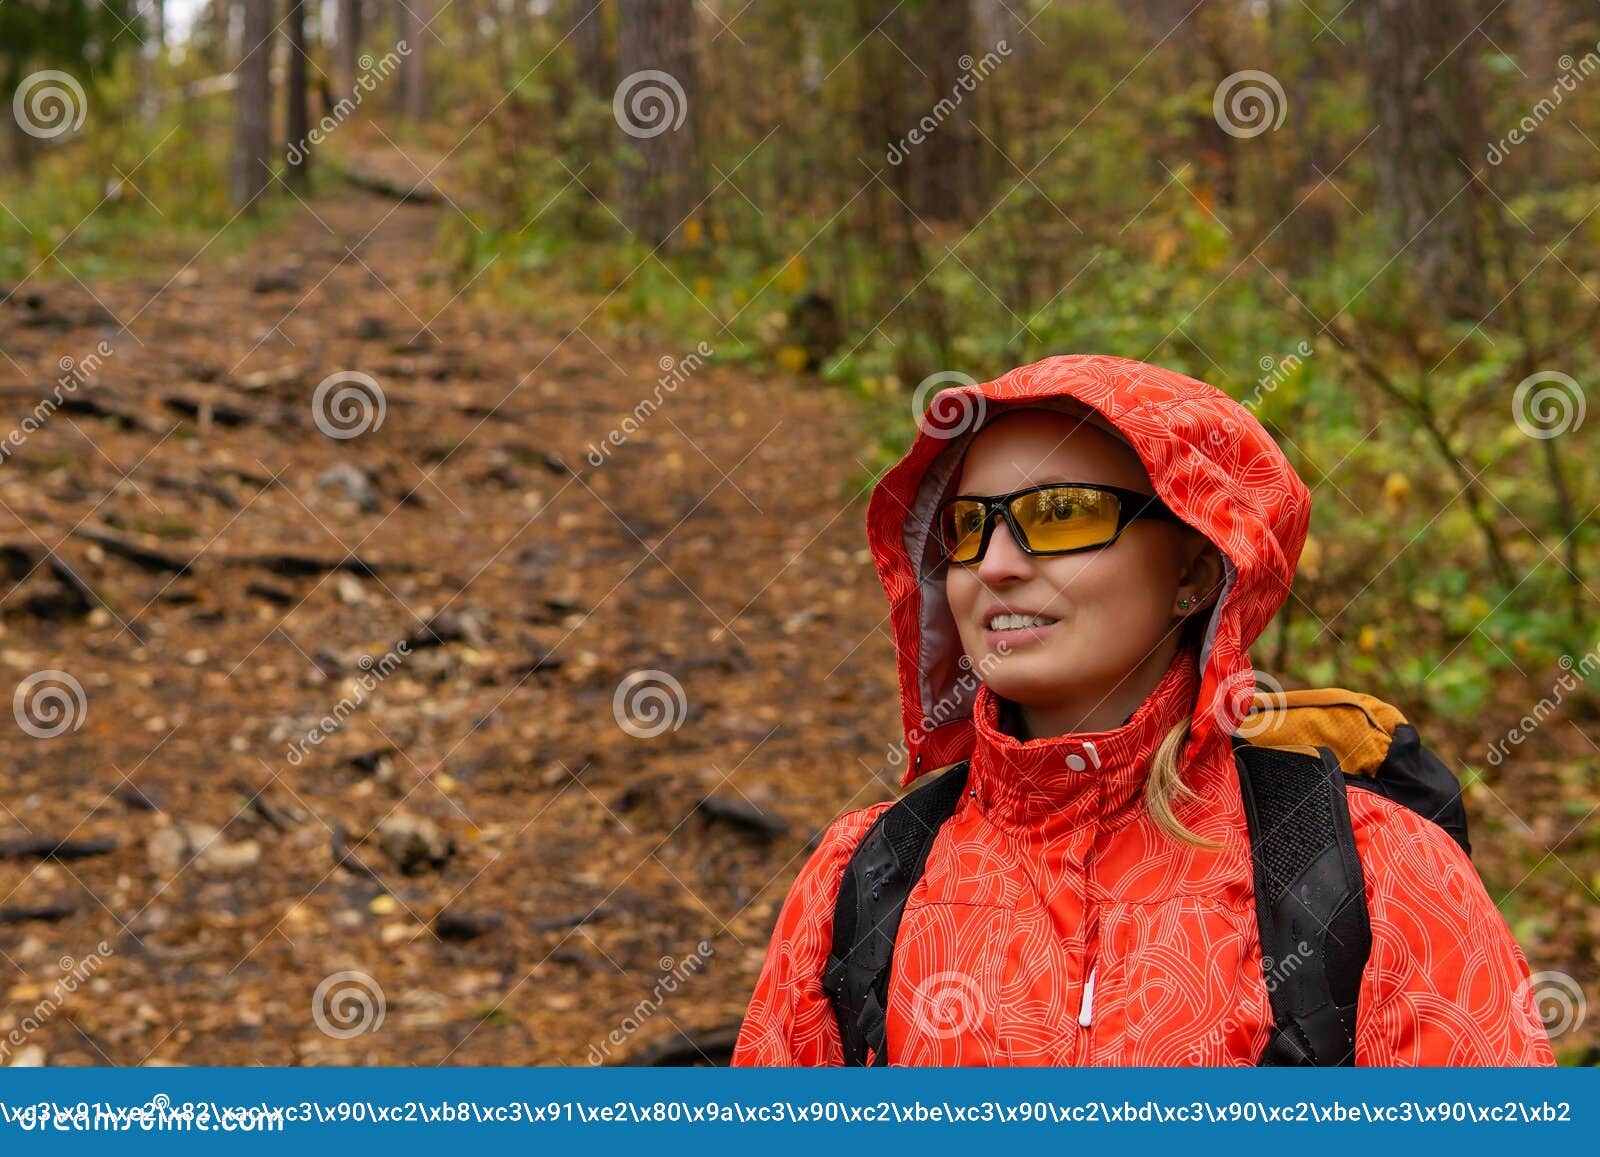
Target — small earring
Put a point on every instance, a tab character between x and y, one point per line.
1183	604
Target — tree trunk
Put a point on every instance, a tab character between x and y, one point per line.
252	106
662	179
349	44
296	114
413	18
588	25
1424	93
940	37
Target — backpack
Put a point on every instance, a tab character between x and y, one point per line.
1305	750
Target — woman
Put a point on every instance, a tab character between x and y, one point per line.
1091	901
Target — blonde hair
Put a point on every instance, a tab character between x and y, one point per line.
1164	788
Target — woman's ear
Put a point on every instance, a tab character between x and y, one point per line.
1201	577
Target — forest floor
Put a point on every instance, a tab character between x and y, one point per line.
463	591
342	757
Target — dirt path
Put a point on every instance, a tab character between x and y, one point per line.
463	592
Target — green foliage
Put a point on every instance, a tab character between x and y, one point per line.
133	184
63	34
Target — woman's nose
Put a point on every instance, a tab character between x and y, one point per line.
1004	558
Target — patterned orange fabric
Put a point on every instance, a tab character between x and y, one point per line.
1055	925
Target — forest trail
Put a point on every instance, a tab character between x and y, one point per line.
211	565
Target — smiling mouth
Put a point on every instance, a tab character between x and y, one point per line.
1016	622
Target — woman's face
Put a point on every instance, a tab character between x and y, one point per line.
1115	608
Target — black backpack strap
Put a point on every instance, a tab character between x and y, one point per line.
872	895
1310	901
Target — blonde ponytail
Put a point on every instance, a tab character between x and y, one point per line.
1164	788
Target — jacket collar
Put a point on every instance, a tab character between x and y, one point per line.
1083	778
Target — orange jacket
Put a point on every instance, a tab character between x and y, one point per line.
1054	924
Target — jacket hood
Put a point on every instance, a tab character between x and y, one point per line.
1208	459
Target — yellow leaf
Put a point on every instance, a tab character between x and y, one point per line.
692	231
792	358
793	277
1396	488
1367	640
1311	556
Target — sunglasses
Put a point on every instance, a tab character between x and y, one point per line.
1056	518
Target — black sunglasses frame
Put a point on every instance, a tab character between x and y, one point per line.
1131	505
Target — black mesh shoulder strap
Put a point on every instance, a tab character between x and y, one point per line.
1310	905
882	871
1310	901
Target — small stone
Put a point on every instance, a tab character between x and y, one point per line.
165	851
27	1057
226	859
384	905
415	843
355	484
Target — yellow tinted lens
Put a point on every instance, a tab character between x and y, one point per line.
1066	517
961	530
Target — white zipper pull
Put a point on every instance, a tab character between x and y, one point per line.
1086	1009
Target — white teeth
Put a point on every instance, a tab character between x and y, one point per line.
1017	622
